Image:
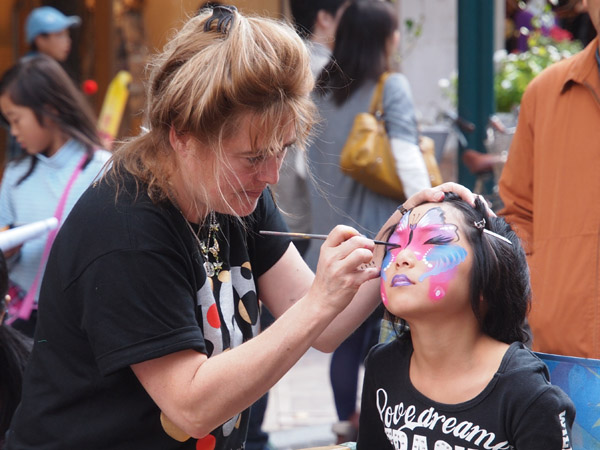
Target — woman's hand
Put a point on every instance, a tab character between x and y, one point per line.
429	195
341	268
436	194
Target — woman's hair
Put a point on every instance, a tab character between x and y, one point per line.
499	274
39	83
361	48
206	80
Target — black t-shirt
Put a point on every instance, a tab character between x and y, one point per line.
125	284
519	409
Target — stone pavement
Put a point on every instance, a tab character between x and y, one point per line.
301	409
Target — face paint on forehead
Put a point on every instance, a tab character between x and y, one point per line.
431	240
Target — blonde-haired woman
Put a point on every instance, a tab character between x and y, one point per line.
150	298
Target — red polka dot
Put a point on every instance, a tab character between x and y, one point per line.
206	443
212	316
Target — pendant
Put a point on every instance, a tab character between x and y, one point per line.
209	269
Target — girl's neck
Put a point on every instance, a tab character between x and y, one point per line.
453	365
439	347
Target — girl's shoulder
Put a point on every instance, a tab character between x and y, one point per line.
523	370
395	349
518	358
102	155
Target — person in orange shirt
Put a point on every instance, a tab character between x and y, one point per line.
548	188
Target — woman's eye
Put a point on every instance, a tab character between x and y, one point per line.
256	159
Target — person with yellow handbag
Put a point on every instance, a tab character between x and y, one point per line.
358	80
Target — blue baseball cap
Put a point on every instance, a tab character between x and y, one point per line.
47	19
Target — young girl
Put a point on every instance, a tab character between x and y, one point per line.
53	124
459	374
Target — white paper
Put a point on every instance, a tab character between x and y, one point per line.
16	236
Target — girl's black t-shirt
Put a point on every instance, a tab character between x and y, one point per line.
519	408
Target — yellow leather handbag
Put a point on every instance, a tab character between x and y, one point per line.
367	154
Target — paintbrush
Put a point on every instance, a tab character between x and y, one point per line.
316	236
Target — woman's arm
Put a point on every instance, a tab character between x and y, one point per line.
279	291
189	387
198	393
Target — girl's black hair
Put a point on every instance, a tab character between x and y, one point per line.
361	42
499	274
39	82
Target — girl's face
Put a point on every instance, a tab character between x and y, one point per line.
238	182
431	269
32	136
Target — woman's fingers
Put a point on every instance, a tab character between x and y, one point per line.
436	194
344	265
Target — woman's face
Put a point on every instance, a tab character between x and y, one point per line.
238	181
431	268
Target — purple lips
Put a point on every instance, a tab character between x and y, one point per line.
401	280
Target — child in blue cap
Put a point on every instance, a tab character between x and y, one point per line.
47	31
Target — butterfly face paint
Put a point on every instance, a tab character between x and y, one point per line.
432	241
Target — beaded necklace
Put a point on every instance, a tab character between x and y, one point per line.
208	251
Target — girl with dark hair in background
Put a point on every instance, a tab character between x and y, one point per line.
52	122
459	374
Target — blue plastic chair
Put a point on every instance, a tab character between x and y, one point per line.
580	379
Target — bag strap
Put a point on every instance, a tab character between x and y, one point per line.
24	311
376	107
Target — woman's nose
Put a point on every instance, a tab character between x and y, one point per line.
269	170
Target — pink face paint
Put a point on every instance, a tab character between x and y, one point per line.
431	240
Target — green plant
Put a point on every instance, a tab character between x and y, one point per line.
515	71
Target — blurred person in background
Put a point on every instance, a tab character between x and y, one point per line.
548	186
367	36
47	32
316	22
54	125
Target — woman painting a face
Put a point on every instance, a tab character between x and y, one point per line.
150	302
458	371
